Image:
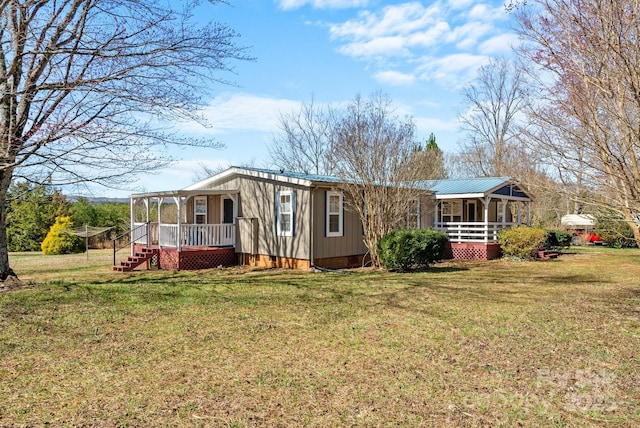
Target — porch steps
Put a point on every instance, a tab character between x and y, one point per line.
132	262
547	255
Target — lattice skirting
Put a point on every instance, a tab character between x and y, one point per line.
170	258
472	251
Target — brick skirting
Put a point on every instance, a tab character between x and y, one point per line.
471	251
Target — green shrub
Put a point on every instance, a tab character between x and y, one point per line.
406	249
559	238
614	231
522	242
58	241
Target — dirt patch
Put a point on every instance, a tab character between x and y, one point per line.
12	284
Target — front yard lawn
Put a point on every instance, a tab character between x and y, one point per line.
498	343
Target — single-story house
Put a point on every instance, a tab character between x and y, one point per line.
263	217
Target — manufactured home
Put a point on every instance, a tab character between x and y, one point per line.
263	217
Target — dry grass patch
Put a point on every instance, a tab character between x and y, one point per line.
497	343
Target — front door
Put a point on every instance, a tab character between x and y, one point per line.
471	211
227	210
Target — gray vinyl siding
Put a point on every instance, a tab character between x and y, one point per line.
427	208
350	243
257	200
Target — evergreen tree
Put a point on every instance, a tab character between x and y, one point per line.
32	210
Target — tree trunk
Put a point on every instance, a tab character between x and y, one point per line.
5	182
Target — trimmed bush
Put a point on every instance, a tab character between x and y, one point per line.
522	242
406	249
559	238
58	241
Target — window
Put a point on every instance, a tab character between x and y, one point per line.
334	218
284	217
451	211
200	210
413	215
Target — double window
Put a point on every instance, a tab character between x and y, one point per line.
285	206
334	214
451	211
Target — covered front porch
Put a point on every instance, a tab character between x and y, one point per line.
189	229
473	212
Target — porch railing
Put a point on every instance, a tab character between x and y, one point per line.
197	235
472	232
145	235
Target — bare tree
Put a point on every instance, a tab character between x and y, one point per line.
588	115
87	84
303	144
374	155
495	123
495	102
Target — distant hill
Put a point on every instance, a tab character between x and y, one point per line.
99	200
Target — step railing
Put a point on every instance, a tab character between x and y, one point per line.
138	234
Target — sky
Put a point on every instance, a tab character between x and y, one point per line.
419	53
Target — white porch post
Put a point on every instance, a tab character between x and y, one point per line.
234	198
147	215
160	202
132	214
504	203
178	202
436	220
486	202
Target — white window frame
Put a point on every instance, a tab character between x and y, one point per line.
290	212
329	214
195	209
415	203
450	209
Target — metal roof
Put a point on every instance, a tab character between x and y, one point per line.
298	175
443	189
465	185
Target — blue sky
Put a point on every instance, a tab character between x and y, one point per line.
421	54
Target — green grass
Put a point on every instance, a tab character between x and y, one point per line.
499	343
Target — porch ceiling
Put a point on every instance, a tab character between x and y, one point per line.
183	193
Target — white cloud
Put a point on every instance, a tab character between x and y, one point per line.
453	70
243	112
484	12
382	46
321	4
466	36
403	19
498	45
460	4
456	36
395	78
